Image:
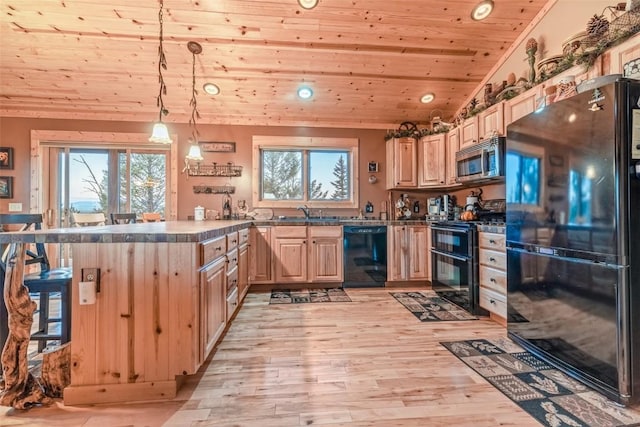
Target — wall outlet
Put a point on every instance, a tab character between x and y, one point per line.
15	207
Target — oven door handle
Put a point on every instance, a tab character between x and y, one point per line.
450	229
459	258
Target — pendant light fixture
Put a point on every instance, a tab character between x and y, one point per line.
160	132
194	148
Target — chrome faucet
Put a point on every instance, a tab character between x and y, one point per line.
305	209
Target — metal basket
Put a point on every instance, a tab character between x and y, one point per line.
621	25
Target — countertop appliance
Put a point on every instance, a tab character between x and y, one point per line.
573	253
481	162
454	264
365	256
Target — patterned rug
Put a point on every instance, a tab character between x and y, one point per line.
298	296
548	395
429	307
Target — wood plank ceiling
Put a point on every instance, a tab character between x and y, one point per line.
367	61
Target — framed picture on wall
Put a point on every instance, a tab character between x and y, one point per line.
6	187
6	158
373	166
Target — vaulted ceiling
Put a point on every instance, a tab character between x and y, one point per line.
367	61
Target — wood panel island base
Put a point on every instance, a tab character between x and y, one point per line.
150	324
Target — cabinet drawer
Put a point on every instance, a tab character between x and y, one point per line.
232	240
243	237
324	231
212	249
232	280
493	301
495	259
491	240
232	303
494	279
232	259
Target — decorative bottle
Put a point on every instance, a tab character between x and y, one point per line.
226	207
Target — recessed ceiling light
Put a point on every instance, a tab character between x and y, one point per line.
211	88
305	92
427	98
308	4
482	10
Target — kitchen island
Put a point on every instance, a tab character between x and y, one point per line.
150	323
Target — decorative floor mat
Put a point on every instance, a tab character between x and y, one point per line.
548	395
429	307
299	296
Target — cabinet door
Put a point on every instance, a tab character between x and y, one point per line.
260	255
432	154
428	249
243	272
520	106
453	146
491	121
213	304
325	254
396	253
469	132
403	165
290	259
418	255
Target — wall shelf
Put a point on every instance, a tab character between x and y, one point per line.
199	169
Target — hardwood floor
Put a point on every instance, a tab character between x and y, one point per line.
369	362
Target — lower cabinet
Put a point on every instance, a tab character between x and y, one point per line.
408	255
260	255
493	276
296	254
213	305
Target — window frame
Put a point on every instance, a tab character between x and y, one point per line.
305	144
528	150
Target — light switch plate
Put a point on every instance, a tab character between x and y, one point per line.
15	207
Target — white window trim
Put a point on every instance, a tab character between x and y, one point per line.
305	143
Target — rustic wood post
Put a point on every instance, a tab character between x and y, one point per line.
56	369
21	388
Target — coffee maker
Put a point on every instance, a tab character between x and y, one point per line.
446	206
433	206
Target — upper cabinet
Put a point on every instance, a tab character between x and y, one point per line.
469	132
521	105
431	170
491	121
452	147
402	164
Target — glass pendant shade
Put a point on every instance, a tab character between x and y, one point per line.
194	153
160	134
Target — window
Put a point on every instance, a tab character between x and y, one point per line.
579	198
318	172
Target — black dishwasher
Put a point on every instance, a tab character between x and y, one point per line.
365	256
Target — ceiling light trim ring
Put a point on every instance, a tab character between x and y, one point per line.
482	10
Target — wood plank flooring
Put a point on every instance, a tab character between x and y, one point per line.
369	362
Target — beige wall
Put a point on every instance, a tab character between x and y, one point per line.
15	132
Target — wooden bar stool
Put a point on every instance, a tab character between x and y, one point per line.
88	219
123	218
45	282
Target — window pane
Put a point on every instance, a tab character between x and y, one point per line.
148	182
514	184
530	180
88	184
329	175
282	175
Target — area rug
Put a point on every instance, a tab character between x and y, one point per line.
548	395
429	307
299	296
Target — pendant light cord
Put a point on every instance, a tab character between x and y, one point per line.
162	64
195	114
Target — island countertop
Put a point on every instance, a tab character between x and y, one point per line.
144	232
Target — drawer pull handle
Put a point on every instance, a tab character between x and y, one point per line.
234	241
219	248
493	280
492	301
493	242
492	259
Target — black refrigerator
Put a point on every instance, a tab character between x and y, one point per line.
573	236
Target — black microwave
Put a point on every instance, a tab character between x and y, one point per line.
482	161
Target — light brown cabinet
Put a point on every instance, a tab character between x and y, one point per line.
469	132
213	300
521	105
493	276
491	121
260	255
243	264
402	164
408	249
452	147
325	254
431	170
308	254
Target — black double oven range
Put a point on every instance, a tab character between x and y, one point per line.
454	258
